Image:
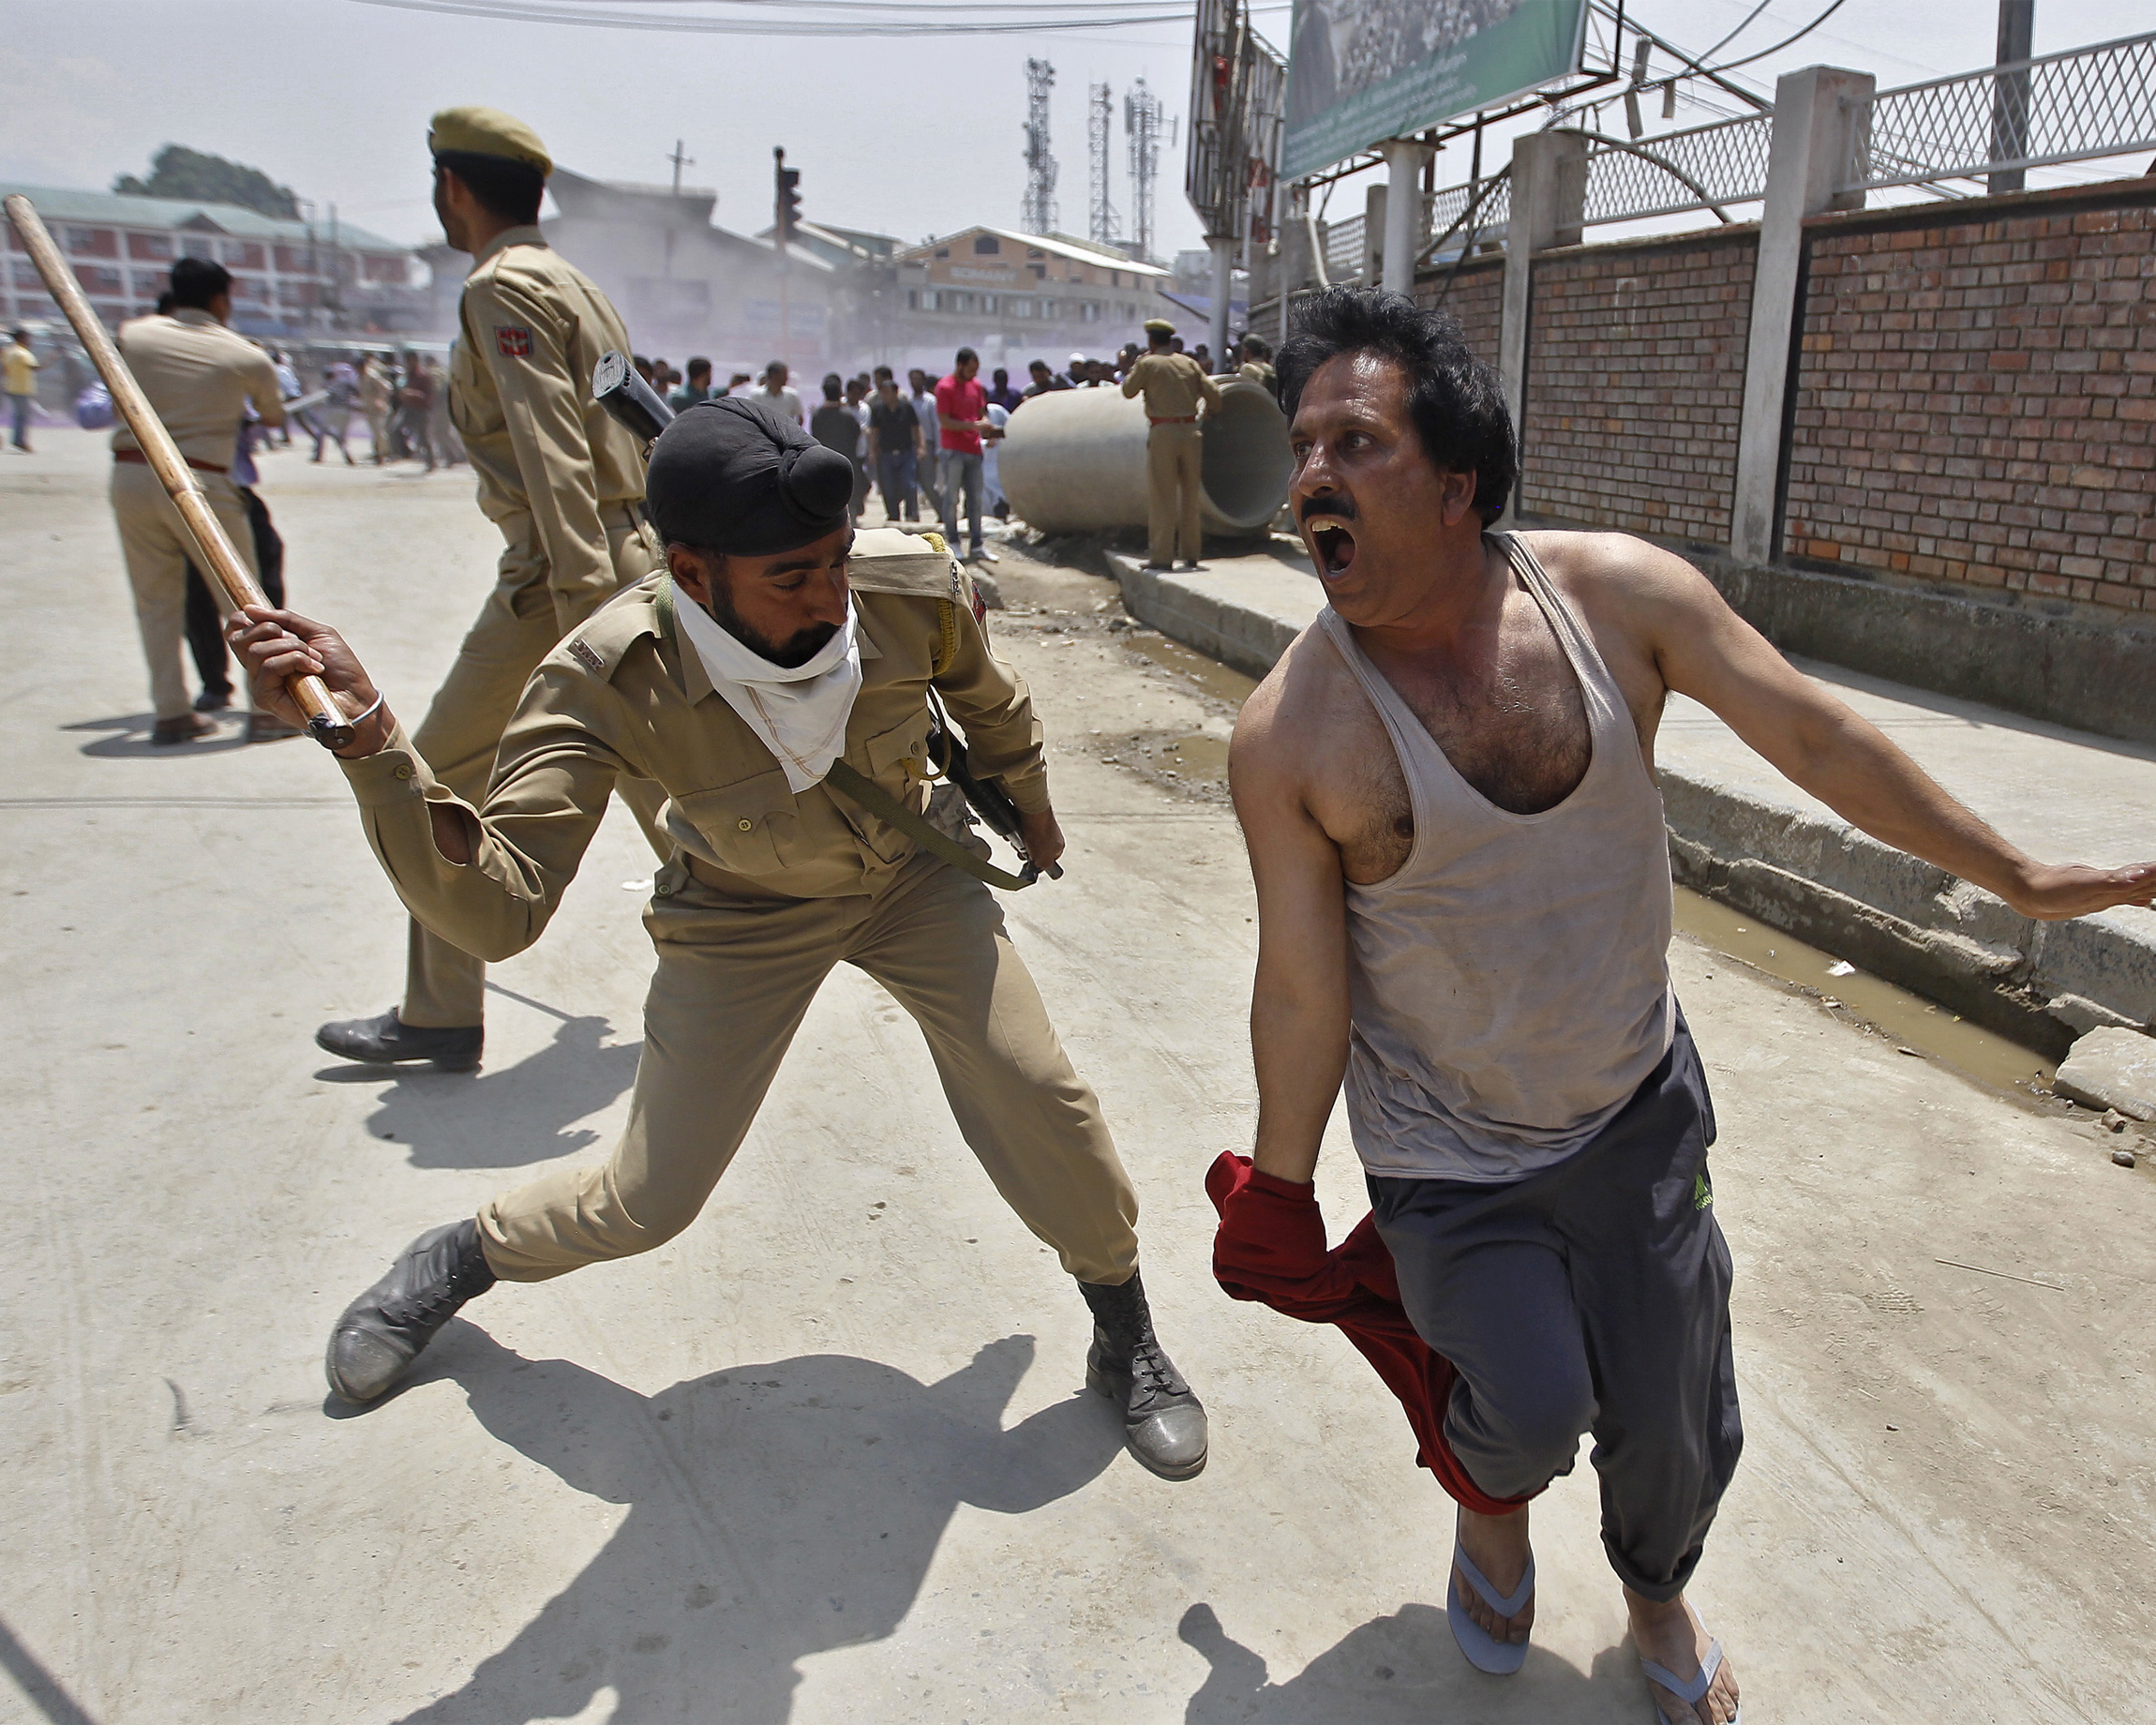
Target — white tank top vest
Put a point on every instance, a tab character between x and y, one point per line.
1510	982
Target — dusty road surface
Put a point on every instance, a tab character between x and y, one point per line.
826	1458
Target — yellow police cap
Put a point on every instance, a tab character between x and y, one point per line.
488	131
1159	326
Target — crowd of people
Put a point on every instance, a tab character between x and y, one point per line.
927	447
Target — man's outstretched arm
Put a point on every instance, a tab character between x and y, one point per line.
1706	651
1299	1001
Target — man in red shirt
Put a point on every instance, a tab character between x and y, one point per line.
962	416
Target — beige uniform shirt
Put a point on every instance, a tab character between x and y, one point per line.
625	695
198	377
555	471
1174	385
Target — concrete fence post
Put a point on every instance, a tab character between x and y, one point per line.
1549	202
1814	112
1373	216
1404	159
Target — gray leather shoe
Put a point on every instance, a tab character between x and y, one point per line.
388	1040
1163	1422
385	1329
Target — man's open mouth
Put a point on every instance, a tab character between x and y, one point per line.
1334	542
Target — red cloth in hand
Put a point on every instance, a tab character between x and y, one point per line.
1271	1248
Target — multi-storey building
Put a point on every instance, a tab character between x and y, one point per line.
1014	297
290	278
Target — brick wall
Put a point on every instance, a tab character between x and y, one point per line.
1475	295
1975	402
1636	383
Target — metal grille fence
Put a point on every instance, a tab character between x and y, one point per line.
1344	249
1443	208
1725	162
2064	107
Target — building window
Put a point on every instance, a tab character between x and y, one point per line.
1089	311
943	251
241	254
292	260
152	282
1040	271
986	246
94	242
1033	251
97	278
150	247
913	299
988	304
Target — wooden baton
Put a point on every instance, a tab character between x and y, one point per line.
325	723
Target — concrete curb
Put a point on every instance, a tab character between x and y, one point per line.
2043	984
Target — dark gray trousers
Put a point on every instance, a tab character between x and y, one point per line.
1592	1297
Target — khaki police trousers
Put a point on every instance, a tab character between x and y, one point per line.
734	979
443	985
156	548
1173	456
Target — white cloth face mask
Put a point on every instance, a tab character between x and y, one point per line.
801	712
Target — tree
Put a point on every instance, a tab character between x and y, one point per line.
177	172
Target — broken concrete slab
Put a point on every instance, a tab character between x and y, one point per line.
2112	1069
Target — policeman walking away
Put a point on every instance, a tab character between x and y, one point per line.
1174	385
558	477
775	683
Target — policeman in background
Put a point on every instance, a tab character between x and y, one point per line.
560	478
1174	385
200	377
774	683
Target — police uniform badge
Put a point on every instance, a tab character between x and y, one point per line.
512	343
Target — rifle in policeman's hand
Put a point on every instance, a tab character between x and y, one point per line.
325	721
635	405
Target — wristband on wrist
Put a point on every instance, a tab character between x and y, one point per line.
365	714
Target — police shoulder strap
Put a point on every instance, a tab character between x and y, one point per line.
859	789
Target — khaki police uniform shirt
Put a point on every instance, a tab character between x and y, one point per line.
555	471
627	696
1174	385
198	377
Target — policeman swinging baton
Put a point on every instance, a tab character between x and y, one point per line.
325	723
635	405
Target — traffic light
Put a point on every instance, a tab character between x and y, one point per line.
786	198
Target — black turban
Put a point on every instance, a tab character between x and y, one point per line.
732	475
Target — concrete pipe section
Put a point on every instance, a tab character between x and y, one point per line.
1074	460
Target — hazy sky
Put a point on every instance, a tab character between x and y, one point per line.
905	136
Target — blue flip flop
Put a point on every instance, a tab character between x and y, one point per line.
1693	1690
1484	1651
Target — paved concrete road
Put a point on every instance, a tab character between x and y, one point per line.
823	1458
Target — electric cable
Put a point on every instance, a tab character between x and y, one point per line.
882	19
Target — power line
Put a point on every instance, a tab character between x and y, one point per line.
879	20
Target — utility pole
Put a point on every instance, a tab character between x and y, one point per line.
1038	215
2010	93
1143	111
1101	221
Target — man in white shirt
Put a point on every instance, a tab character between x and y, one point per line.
922	396
778	395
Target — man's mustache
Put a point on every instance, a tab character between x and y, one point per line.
1341	506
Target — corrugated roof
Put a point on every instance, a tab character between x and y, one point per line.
119	210
1080	252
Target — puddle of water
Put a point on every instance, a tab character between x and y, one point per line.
1910	1019
1211	676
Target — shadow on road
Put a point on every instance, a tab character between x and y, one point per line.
1404	1668
44	1691
127	737
509	1118
775	1511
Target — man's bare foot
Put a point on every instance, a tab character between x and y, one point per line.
1497	1545
1673	1637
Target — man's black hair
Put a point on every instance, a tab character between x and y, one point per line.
833	386
885	371
699	367
197	281
964	354
1456	402
506	190
1041	365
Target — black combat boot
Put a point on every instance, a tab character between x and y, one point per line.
383	1332
388	1040
1164	1423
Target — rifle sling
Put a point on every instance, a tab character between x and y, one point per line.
891	812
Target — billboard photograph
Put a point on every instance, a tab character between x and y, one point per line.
1360	71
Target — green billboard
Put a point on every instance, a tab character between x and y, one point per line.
1360	71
